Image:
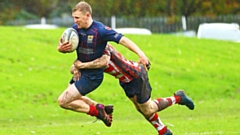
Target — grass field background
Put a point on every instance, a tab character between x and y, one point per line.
33	75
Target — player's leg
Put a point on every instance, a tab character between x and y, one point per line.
76	76
88	83
142	103
108	108
134	101
151	116
142	97
72	99
148	107
178	98
88	101
69	99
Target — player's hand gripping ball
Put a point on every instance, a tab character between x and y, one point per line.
70	35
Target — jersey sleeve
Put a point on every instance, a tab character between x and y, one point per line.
109	34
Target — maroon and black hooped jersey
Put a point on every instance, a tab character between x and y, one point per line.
123	69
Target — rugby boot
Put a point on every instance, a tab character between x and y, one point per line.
102	115
168	132
109	109
185	100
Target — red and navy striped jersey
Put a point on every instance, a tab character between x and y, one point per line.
92	42
123	69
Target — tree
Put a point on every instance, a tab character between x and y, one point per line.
6	10
12	9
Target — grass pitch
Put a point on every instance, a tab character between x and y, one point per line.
33	74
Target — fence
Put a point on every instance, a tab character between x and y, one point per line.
154	24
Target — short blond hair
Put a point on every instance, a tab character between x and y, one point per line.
83	7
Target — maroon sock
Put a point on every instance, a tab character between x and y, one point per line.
178	99
92	111
157	123
163	103
163	131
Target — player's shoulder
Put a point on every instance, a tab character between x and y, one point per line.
98	24
101	26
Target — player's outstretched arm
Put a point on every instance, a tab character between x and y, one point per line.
101	62
134	48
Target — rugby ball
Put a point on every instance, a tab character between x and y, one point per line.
70	35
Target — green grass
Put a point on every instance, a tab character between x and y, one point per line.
33	75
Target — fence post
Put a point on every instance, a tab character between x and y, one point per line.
184	23
113	22
43	20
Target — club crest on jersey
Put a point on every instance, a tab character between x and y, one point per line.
90	38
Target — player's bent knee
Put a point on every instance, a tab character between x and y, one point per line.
61	102
146	113
69	95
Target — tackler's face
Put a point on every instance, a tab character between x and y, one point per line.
81	19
